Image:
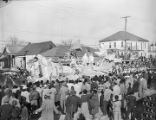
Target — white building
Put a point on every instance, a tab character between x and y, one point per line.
124	41
152	50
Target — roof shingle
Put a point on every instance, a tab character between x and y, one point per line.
122	35
36	48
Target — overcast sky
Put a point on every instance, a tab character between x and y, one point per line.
86	20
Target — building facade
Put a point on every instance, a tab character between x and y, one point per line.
124	42
152	50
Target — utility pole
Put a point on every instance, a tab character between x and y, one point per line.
125	18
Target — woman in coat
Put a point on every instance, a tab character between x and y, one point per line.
94	104
117	108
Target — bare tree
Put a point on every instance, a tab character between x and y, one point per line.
67	43
14	41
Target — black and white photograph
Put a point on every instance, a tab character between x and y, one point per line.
77	60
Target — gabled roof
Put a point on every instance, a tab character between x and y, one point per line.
62	50
85	49
11	50
58	51
36	48
122	35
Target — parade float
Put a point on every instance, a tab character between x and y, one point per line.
42	68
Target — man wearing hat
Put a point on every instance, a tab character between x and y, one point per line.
72	104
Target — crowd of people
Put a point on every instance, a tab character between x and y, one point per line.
112	96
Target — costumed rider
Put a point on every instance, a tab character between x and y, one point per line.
85	59
36	70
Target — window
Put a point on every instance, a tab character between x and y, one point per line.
114	44
110	45
145	44
121	43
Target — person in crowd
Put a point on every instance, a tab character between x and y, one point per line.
1	93
94	85
116	89
24	110
78	86
153	80
25	93
18	95
123	87
5	109
57	95
81	117
72	89
107	95
8	95
73	102
48	108
129	90
131	105
117	108
63	94
15	88
142	86
15	114
94	103
136	84
85	85
16	98
123	94
11	96
39	89
44	91
70	83
33	98
102	102
52	91
149	79
84	104
110	108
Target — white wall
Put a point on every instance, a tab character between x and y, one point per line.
142	47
